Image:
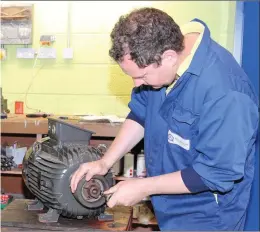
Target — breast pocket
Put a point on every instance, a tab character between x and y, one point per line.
182	128
179	149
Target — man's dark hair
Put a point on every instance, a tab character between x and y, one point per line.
145	34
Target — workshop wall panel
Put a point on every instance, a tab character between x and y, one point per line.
50	18
91	82
91	48
65	104
100	16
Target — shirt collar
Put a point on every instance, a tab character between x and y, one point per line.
194	62
200	55
191	27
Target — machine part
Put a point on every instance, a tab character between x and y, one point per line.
107	196
51	216
89	193
105	217
48	166
64	132
35	205
102	147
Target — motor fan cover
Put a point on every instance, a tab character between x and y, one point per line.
48	167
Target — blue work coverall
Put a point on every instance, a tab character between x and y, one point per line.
206	127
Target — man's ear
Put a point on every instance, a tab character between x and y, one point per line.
170	56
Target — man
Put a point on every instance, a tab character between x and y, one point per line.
198	114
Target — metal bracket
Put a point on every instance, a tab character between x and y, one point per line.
106	217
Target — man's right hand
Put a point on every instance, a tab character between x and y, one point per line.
129	135
98	167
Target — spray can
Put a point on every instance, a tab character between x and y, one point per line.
140	169
117	168
129	165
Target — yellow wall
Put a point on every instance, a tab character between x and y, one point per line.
91	83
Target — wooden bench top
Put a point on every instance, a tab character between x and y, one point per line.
20	124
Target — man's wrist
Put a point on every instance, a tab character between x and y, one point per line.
149	185
170	183
107	163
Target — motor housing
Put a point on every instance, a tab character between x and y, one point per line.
48	167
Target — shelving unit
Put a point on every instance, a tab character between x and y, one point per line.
25	131
18	171
122	178
152	222
15	171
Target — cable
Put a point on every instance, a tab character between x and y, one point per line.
33	78
68	25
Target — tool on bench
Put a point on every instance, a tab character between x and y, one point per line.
106	216
107	196
38	115
63	117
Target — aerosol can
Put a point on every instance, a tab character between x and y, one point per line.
140	169
129	165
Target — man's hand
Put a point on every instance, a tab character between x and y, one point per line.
126	193
130	192
98	167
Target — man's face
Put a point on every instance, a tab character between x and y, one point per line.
152	75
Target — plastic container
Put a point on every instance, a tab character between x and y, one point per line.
17	153
117	168
18	107
129	165
141	169
5	200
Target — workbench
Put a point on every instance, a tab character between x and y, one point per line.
16	218
20	126
25	131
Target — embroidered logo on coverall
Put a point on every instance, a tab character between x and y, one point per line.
178	140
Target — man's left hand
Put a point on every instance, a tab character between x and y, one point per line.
127	193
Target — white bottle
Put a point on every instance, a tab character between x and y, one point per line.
141	170
117	167
129	165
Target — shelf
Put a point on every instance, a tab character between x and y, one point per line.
125	178
151	222
15	171
14	17
16	12
18	171
20	124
